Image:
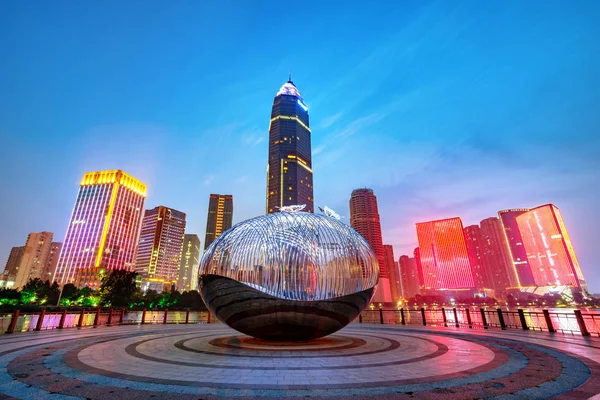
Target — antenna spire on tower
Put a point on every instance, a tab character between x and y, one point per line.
290	75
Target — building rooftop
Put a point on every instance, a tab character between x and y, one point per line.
289	89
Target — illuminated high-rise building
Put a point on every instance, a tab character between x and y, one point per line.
549	249
443	252
475	250
364	218
220	217
12	265
497	261
159	250
190	260
508	218
409	274
390	266
289	171
104	228
52	261
34	258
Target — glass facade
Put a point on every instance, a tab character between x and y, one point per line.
104	228
443	255
289	171
294	256
220	216
549	249
159	249
512	235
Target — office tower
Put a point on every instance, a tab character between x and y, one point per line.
508	218
33	261
190	260
10	269
443	252
104	228
417	256
289	171
496	256
52	261
475	250
220	216
549	249
364	218
409	275
159	250
390	267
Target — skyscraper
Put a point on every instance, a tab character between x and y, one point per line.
104	228
496	256
475	250
410	276
52	261
34	258
289	171
444	258
190	260
159	251
508	218
364	218
549	249
11	267
390	267
220	217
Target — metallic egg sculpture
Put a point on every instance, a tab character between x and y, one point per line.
288	276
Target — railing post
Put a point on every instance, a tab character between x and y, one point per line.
208	317
423	315
523	320
97	317
444	317
581	323
61	324
122	317
109	317
81	318
501	319
165	317
144	316
381	315
548	321
13	322
402	316
187	316
455	318
469	318
40	321
483	319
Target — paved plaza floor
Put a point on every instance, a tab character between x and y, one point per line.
358	362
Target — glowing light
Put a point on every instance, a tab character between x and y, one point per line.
289	89
301	104
294	208
289	118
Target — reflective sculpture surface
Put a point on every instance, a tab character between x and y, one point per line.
288	276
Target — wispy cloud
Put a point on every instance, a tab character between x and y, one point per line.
328	121
358	125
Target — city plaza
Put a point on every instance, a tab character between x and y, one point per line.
209	361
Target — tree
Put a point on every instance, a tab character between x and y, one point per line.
70	294
9	296
118	288
33	292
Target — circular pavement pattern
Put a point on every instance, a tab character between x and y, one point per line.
360	361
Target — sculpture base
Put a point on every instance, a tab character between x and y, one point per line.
266	317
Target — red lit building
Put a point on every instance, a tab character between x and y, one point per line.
475	250
549	250
390	266
443	252
364	218
518	255
496	258
409	274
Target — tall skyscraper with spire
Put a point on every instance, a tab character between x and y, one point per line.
289	171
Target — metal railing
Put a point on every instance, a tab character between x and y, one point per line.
575	322
37	321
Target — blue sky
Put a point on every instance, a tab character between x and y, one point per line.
443	108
